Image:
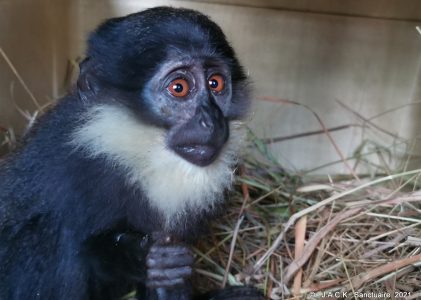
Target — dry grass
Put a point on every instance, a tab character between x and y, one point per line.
298	240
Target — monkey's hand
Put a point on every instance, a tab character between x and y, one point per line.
169	265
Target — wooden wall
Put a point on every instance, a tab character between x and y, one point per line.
34	35
366	54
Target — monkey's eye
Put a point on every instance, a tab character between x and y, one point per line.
216	83
179	87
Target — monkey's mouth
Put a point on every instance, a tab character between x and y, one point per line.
200	155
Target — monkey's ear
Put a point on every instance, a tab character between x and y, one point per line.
87	83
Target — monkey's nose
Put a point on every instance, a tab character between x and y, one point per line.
202	138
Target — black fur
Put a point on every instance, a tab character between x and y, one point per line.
61	211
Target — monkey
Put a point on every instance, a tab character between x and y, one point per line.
111	186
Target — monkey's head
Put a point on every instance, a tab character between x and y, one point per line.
167	94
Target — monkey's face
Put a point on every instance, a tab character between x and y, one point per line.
164	97
175	68
192	98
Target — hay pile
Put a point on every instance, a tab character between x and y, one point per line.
317	240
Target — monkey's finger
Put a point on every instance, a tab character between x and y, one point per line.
167	274
169	250
165	283
169	262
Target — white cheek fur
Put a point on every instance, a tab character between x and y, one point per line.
171	183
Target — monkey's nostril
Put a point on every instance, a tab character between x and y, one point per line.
206	122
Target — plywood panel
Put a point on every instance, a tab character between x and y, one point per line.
34	36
